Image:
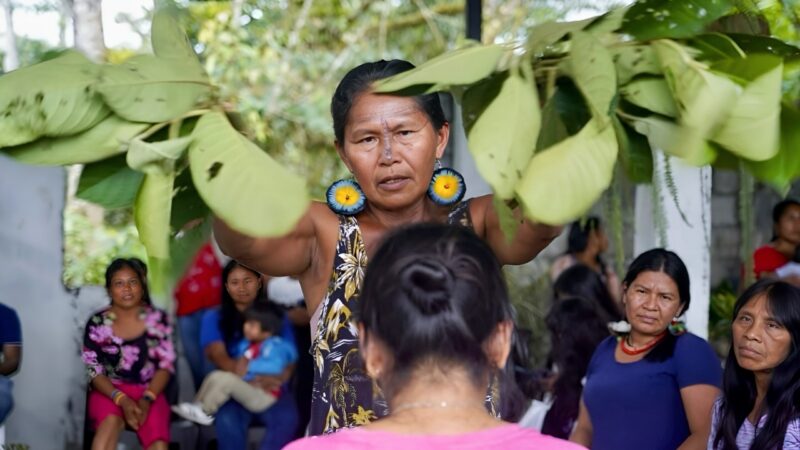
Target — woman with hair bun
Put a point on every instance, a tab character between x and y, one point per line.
435	326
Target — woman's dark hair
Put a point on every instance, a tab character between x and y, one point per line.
136	265
777	212
360	79
782	400
581	281
579	232
231	320
576	327
436	293
266	316
670	264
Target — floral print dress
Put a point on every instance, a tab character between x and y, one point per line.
132	361
343	394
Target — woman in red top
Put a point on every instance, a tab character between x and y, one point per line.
786	237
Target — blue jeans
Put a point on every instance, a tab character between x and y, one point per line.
189	330
232	421
6	398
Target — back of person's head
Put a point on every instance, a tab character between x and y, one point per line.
670	264
433	296
361	78
782	400
266	315
134	264
576	326
579	233
581	281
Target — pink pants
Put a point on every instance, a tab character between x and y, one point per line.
156	424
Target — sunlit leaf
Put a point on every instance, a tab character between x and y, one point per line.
168	38
243	185
463	66
633	60
592	69
152	213
109	183
752	129
107	138
655	19
53	98
608	22
675	140
146	88
652	94
502	138
548	33
156	156
635	153
561	183
784	168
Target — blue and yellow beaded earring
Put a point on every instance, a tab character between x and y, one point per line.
345	197
447	186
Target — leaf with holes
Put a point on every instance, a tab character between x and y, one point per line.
592	68
152	213
633	60
752	129
656	19
562	182
242	184
783	169
502	136
458	67
158	156
107	138
109	183
652	94
146	88
52	98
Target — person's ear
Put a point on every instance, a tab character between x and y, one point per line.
442	136
372	353
498	347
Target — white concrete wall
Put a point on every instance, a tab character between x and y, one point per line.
690	239
49	389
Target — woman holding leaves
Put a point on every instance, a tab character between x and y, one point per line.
391	144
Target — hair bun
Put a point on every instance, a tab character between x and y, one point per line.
428	285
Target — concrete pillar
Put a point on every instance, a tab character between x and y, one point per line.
687	234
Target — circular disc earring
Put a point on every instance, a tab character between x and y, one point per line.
345	197
447	186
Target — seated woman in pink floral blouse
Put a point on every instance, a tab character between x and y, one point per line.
127	348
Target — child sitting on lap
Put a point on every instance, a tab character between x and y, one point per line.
263	353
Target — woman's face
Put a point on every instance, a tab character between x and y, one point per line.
788	227
243	286
651	302
760	343
390	146
126	289
600	239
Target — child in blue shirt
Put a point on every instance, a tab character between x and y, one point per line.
262	352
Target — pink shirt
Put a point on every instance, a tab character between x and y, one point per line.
509	436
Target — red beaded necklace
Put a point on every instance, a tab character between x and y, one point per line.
630	350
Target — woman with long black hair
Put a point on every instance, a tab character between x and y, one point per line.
759	408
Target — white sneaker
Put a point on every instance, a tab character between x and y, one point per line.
193	412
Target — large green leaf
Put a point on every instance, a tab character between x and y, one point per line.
53	98
716	46
635	153
109	183
242	184
655	19
752	129
168	38
156	156
561	183
564	114
608	22
652	94
502	137
784	168
152	213
633	60
703	100
184	246
592	69
187	206
146	88
548	33
763	44
676	140
105	139
458	67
